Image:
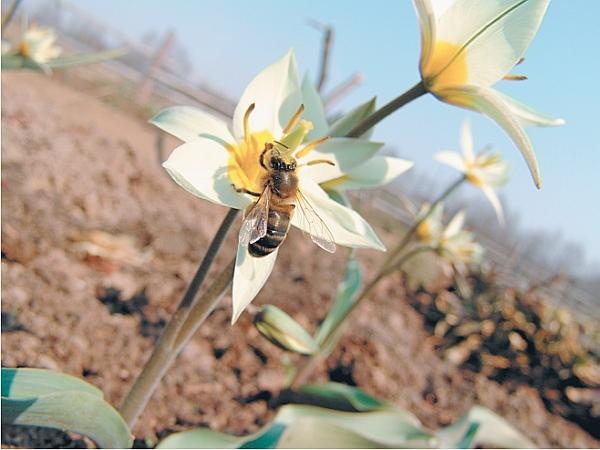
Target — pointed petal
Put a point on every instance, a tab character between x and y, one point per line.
200	167
188	123
346	225
488	102
249	277
451	159
313	109
342	126
427	25
376	171
466	140
276	93
345	153
529	116
455	224
493	34
490	194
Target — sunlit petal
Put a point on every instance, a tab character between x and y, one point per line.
188	123
451	159
249	277
490	194
466	141
376	171
276	94
529	116
200	167
313	109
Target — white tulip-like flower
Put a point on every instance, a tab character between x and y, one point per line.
450	241
485	170
226	165
39	44
472	45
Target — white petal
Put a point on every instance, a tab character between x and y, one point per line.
249	277
427	25
488	102
200	167
455	224
346	225
466	140
313	109
529	116
451	159
276	94
496	34
376	171
188	123
342	126
489	192
345	153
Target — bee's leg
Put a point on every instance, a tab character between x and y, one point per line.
318	161
244	191
268	146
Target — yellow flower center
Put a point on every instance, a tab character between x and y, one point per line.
446	66
423	231
244	166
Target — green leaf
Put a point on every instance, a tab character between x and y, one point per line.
27	382
346	294
283	331
45	398
341	397
492	431
343	125
310	426
85	58
20	62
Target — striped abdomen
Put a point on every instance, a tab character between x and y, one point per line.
278	225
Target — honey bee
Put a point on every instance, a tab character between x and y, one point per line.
267	222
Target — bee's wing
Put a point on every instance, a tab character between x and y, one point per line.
317	229
254	225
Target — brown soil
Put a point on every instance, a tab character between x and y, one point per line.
73	166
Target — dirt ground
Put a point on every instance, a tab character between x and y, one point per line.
73	166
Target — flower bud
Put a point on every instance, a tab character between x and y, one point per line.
283	331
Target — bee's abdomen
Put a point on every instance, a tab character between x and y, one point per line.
278	225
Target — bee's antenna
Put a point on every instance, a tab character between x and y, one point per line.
283	145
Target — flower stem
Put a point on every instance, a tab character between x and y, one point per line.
167	347
305	370
369	122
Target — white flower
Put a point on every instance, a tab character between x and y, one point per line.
485	171
473	45
39	44
451	241
217	161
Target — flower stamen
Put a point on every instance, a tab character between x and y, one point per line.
246	125
294	119
310	147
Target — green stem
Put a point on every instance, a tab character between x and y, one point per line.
369	122
167	347
9	14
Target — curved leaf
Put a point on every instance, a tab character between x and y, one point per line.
80	412
342	397
28	382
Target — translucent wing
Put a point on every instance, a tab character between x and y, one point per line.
317	229
254	225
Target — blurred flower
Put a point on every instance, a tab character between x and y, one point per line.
485	171
451	242
471	46
221	164
39	44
